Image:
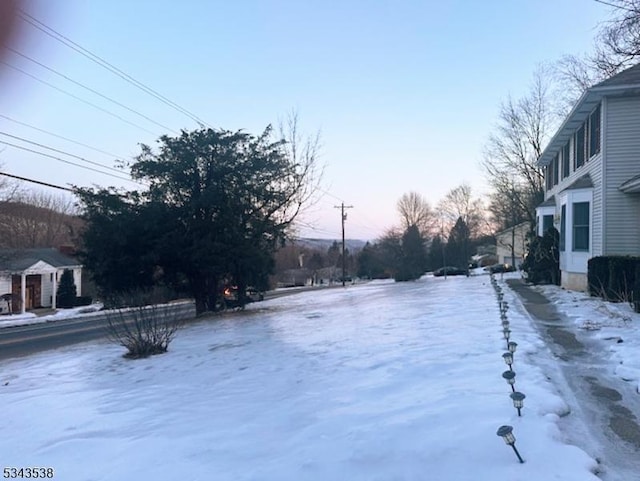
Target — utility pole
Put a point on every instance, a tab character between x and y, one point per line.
343	216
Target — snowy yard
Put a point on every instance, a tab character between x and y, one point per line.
377	382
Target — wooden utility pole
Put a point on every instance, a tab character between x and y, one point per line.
343	216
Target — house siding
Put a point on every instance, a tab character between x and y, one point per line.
594	168
622	216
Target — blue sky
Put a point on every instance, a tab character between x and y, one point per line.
404	93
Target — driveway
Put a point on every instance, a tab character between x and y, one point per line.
606	406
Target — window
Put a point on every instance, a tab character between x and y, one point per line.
581	226
547	223
547	177
578	148
563	221
554	170
594	132
565	161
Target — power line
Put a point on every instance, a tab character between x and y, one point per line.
46	184
619	7
78	98
65	161
115	156
106	65
98	164
80	84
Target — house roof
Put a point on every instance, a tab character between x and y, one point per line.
522	226
583	182
626	82
550	202
17	260
631	186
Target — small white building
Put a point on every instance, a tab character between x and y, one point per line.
29	277
511	244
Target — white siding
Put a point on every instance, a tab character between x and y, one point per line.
622	216
594	168
47	289
5	284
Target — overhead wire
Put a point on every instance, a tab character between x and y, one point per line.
51	32
95	149
18	69
37	144
26	179
66	161
80	84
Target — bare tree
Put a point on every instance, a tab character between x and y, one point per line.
618	42
415	210
512	151
616	47
37	219
459	203
304	151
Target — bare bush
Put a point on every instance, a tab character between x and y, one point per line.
145	328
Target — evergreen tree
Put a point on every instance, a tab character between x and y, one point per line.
457	250
217	206
436	253
66	296
413	255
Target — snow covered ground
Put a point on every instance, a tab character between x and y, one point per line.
377	382
29	318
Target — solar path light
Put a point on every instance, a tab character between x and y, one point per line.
512	346
518	400
510	377
506	332
506	433
508	359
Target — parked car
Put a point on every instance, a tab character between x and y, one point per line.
230	294
497	268
450	271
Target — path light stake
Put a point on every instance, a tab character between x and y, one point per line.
510	377
518	400
506	433
506	332
512	346
508	359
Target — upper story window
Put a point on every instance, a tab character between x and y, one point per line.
563	230
578	148
594	132
554	170
565	161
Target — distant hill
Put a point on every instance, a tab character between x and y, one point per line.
324	244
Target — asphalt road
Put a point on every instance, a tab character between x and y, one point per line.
25	340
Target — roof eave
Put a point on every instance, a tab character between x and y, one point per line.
587	102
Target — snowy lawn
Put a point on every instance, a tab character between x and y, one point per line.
377	382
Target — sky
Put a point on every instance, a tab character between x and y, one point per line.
382	381
404	94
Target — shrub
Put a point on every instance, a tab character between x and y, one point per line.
143	329
542	263
615	278
83	301
66	295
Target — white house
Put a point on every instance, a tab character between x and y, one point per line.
592	177
29	277
511	244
